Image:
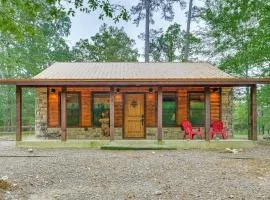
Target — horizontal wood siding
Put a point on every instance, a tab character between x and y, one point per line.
150	104
118	110
54	107
151	110
86	107
215	106
182	106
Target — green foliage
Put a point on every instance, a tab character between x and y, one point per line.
166	7
24	58
19	17
239	34
110	44
240	116
169	45
145	9
240	30
264	109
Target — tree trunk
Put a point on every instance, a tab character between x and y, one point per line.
187	37
147	21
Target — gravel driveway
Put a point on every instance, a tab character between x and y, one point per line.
96	174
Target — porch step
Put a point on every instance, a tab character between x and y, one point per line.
116	147
137	145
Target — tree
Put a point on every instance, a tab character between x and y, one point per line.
18	17
110	44
169	45
240	30
25	58
194	12
145	9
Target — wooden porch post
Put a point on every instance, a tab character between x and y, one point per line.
207	113
249	112
159	111
64	114
112	114
18	113
253	112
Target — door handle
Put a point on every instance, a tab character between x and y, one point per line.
142	120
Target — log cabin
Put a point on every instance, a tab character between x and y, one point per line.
132	100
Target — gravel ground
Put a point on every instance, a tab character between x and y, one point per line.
96	174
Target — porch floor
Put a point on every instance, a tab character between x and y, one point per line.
139	144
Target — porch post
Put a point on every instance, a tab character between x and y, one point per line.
248	89
253	112
112	114
207	113
64	114
18	113
159	111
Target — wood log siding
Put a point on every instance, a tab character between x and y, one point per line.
214	106
118	110
151	104
151	110
54	107
182	106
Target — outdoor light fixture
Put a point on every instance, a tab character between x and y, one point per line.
52	90
150	90
215	89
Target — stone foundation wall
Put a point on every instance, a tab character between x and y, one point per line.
87	133
226	109
40	110
169	133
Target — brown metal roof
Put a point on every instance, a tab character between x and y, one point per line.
131	71
134	74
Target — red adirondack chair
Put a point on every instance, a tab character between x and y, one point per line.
217	128
189	130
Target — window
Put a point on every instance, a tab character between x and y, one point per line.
101	108
196	109
73	109
169	110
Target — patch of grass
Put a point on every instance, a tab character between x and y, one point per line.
240	136
12	135
51	144
4	185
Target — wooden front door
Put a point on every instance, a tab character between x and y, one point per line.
134	116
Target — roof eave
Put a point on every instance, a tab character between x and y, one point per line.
137	82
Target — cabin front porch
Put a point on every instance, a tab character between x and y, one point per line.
129	112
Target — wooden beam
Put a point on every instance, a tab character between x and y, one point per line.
112	131
207	113
249	112
64	114
18	113
253	112
137	82
159	115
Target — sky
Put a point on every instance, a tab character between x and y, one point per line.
86	25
